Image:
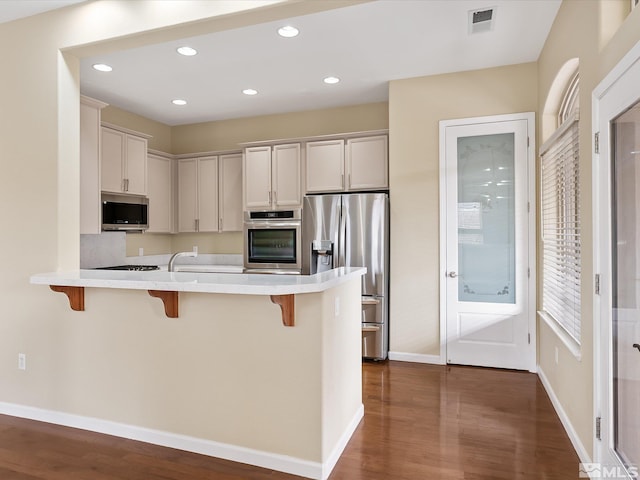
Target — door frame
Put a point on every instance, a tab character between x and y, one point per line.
602	251
529	117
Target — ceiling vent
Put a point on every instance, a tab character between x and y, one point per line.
482	20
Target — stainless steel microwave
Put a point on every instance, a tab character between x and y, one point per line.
124	212
273	242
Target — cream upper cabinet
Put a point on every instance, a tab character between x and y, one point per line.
272	177
90	211
187	195
367	163
257	177
325	166
286	176
124	162
208	194
198	194
160	193
230	192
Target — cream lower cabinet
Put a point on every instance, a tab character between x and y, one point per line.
198	194
90	203
355	165
124	162
160	171
272	177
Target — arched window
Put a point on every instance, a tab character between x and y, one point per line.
560	207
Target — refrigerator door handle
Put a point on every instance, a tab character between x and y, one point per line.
370	301
342	234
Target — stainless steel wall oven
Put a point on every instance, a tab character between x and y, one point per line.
273	241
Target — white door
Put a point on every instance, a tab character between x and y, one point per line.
617	261
488	301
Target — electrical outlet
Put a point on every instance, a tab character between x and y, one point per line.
337	307
141	252
22	361
556	355
195	249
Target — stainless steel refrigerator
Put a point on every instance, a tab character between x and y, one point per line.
353	230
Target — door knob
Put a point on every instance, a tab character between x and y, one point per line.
452	274
635	345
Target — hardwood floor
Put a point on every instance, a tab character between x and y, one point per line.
421	422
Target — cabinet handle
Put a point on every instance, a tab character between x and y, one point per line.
269	197
275	197
349	182
197	225
342	181
221	224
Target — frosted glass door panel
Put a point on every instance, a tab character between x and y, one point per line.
486	219
625	263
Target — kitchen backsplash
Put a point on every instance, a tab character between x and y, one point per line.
109	249
103	250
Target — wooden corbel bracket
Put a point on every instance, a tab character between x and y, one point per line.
170	300
287	304
75	294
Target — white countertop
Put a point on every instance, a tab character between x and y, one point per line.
233	283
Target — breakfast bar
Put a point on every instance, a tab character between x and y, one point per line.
220	375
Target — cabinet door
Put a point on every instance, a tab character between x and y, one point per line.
325	166
208	194
230	193
367	163
113	144
287	189
136	165
160	194
257	177
187	195
90	211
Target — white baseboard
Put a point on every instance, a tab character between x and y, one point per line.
566	423
327	466
281	463
416	358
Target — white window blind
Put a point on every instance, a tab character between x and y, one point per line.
560	191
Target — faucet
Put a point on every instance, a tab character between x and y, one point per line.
180	254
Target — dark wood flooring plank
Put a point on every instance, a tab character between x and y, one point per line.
421	422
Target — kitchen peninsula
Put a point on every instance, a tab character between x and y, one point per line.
223	376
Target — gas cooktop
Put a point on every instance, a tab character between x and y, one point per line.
132	268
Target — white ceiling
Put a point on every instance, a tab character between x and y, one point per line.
366	45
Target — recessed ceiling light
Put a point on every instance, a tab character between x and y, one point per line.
187	51
102	67
331	80
288	31
250	91
179	101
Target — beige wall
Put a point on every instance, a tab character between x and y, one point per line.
227	134
415	107
160	133
598	40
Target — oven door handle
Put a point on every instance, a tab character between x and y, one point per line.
267	225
